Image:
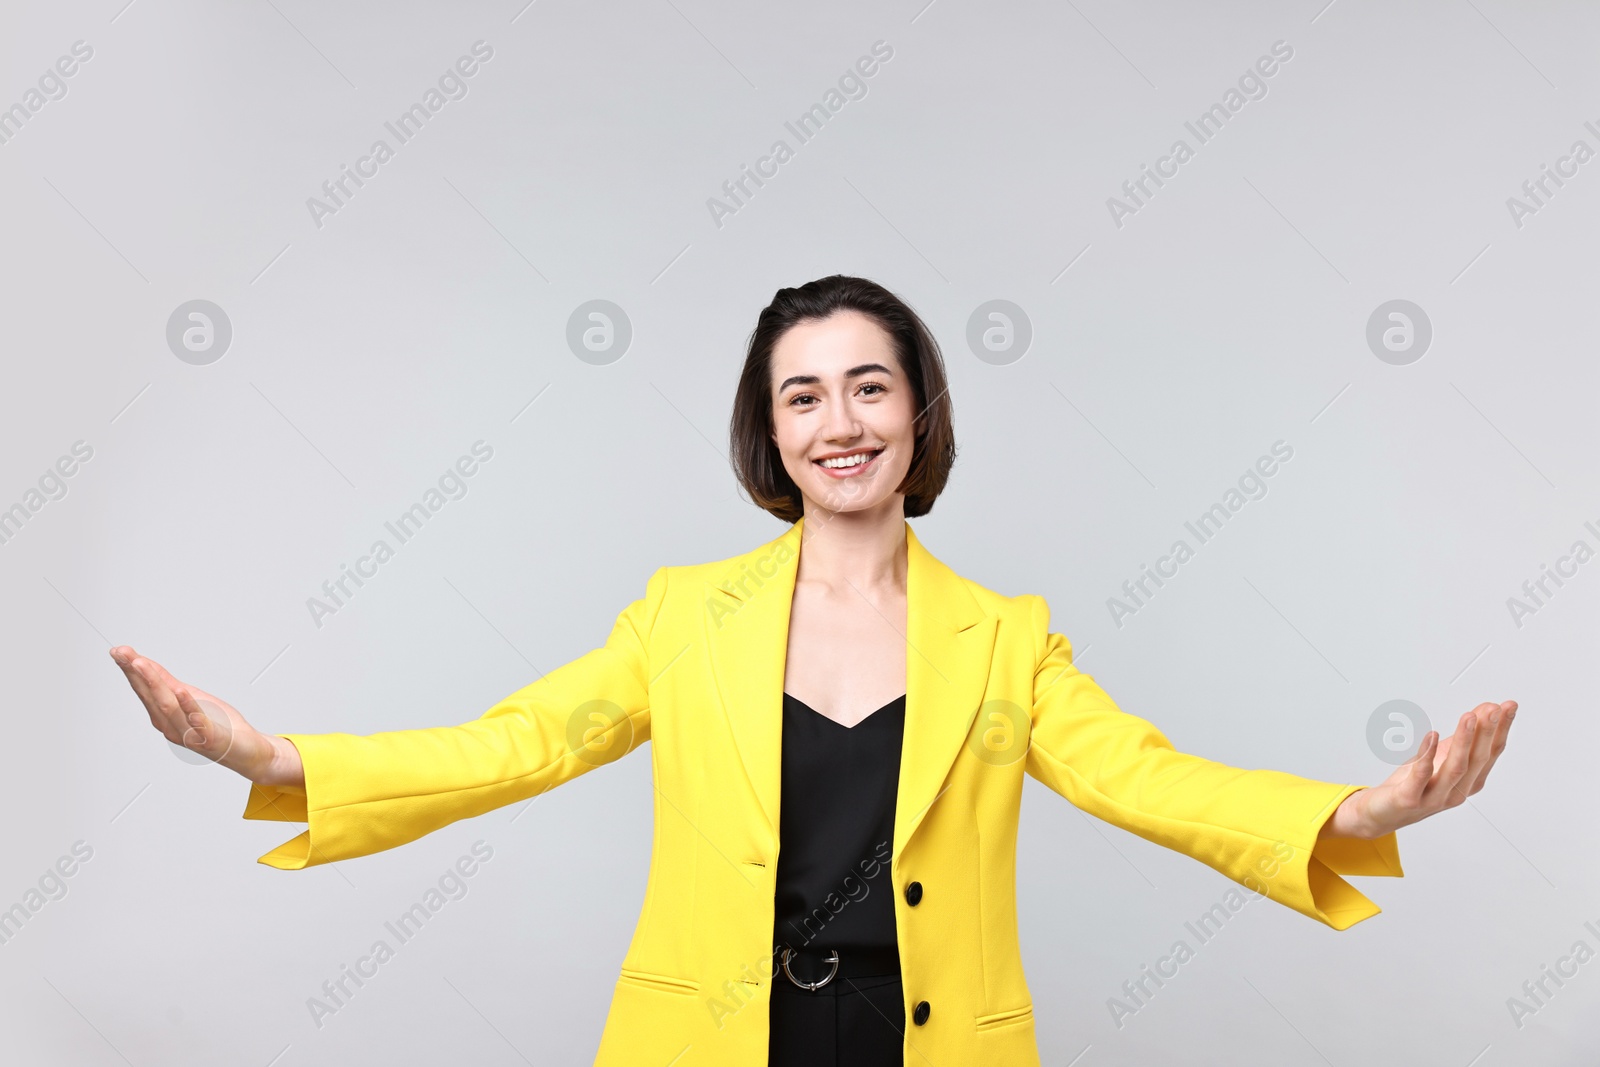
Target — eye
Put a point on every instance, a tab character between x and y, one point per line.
874	385
794	400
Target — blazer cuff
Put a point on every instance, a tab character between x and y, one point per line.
1351	855
283	803
1334	900
280	803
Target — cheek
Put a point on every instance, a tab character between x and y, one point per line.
792	452
781	433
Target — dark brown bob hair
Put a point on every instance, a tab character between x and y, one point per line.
755	457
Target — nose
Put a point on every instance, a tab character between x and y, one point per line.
841	424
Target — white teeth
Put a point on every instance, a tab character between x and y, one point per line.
848	461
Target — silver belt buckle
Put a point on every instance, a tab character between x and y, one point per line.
832	958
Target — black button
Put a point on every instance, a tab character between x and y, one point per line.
919	1014
914	893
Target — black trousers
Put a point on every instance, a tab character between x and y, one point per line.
850	1022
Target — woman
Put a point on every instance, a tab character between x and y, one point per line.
840	690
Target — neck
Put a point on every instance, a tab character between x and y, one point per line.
853	550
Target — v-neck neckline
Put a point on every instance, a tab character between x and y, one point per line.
836	722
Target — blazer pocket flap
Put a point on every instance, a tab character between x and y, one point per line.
1005	1018
663	982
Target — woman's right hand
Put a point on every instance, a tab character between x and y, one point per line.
197	721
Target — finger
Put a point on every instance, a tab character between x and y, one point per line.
200	694
198	729
1488	716
1501	720
1445	790
1488	725
165	701
1423	761
137	681
1475	747
1416	782
215	729
1441	752
167	678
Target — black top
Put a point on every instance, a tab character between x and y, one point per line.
836	828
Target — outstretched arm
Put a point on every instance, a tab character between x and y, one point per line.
364	794
1261	828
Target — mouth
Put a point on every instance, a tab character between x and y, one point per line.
851	466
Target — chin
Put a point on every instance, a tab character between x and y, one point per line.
840	498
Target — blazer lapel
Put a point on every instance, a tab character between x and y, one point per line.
747	631
949	645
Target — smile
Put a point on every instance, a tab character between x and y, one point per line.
849	466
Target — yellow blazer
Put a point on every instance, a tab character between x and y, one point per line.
696	666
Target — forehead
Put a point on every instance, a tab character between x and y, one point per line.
830	346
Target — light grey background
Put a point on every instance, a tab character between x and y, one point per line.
431	312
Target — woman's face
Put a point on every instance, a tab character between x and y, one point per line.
839	393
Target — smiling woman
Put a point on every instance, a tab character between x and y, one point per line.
838	369
810	701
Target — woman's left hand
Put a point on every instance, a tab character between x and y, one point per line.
1441	775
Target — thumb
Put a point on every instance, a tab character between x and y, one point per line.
208	730
1419	768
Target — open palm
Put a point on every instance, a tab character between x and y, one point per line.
1441	775
190	717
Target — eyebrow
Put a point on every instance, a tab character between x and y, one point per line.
853	372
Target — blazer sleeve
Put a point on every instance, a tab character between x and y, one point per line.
1257	827
364	794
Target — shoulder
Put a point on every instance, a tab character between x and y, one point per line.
685	578
767	558
758	563
996	603
1026	610
1024	619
